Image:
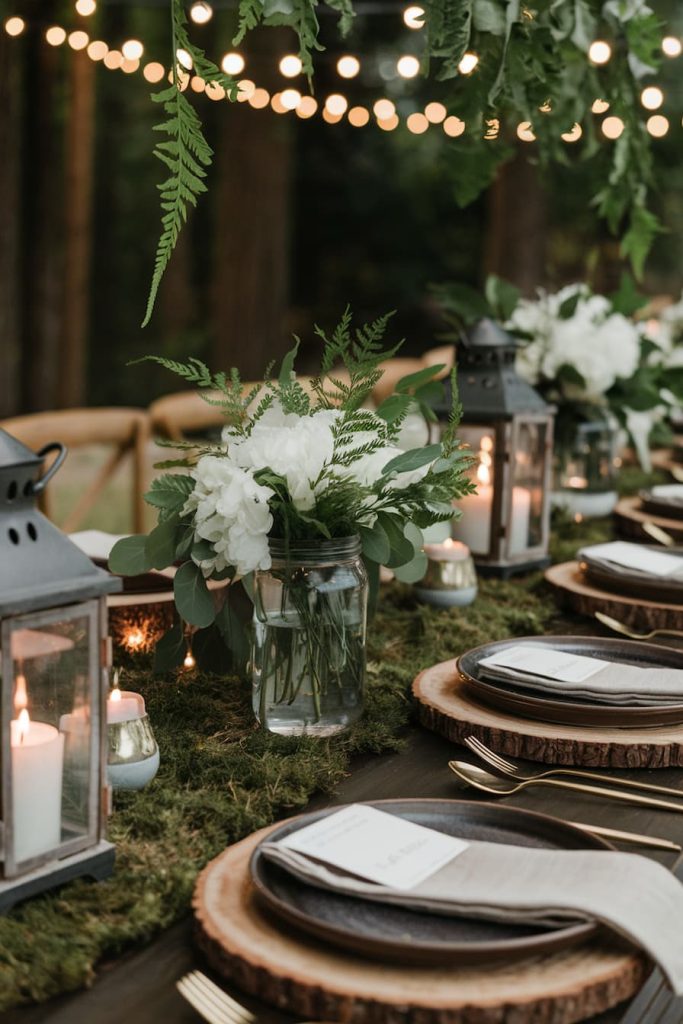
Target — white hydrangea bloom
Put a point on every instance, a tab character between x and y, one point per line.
297	448
231	512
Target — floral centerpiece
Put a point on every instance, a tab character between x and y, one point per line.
304	496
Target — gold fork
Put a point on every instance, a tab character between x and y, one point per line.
658	534
619	627
211	1002
677	473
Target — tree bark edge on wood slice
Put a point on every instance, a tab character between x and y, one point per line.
444	708
301	976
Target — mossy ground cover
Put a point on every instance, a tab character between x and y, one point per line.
221	778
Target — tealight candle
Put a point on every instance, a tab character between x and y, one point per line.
37	763
450	579
124	706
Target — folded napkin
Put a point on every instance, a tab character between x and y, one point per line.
620	558
666	494
635	897
615	684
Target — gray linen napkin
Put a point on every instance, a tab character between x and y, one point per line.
616	684
633	896
667	494
615	569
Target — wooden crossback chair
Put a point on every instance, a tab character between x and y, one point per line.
123	429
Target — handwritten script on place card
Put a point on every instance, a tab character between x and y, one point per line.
635	556
376	845
541	661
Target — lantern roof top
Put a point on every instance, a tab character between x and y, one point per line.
41	566
486	333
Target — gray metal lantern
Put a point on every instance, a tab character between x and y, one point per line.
509	428
54	657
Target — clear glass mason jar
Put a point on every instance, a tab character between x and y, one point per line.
308	657
587	463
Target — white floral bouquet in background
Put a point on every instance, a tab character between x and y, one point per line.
298	462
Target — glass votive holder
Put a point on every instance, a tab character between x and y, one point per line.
451	579
133	754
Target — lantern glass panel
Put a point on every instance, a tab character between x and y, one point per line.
52	708
474	527
527	498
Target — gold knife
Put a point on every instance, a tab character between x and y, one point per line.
629	837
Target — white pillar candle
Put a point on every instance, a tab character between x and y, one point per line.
37	763
519	520
124	705
474	526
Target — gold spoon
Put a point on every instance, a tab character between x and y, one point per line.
658	534
619	627
677	473
475	776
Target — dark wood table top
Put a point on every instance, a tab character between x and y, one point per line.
140	987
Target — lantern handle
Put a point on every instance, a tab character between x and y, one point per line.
54	446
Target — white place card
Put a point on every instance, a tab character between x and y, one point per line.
635	556
542	661
667	491
373	844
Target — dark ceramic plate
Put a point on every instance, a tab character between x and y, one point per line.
396	934
631	584
565	710
669	508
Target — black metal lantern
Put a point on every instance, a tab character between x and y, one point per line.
54	656
509	428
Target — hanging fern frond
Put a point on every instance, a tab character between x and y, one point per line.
185	151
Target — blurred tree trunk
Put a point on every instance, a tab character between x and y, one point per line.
11	53
40	219
251	182
515	242
78	193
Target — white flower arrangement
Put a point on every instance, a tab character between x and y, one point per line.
300	464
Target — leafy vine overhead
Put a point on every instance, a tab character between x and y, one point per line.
529	64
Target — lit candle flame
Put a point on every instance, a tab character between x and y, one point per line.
189	661
483	473
20	694
448	543
485	460
24	722
115	694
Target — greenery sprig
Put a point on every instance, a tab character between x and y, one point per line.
533	66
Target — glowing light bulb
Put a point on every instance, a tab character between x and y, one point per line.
652	97
291	98
492	129
525	132
417	123
600	106
15	26
201	12
612	127
215	91
387	124
55	35
435	112
197	84
671	46
246	89
86	7
336	104
348	66
189	661
358	116
599	52
573	135
413	17
184	59
132	49
113	60
331	118
97	50
307	107
135	639
290	65
233	63
78	40
408	66
468	63
383	109
259	99
453	127
657	126
153	72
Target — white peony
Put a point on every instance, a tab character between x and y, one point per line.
231	512
298	448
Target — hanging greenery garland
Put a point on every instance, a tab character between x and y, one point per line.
533	65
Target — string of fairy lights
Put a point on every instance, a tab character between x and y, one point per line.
129	59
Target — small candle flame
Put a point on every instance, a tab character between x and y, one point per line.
448	543
189	661
115	694
24	723
485	460
483	474
20	694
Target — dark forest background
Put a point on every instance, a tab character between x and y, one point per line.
301	216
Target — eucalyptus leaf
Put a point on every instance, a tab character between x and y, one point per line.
394	407
170	649
192	597
402	550
161	544
375	543
234	635
408	461
129	556
420	377
412	571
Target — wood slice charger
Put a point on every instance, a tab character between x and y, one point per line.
446	706
629	516
305	977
